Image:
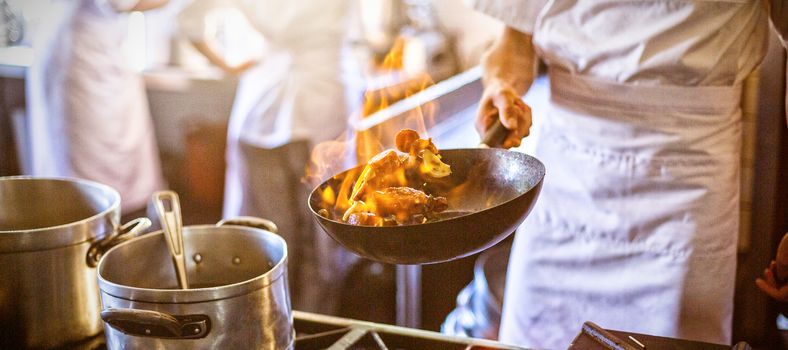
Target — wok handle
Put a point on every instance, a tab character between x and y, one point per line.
155	324
126	232
494	136
250	221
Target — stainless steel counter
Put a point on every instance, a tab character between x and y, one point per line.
182	99
14	61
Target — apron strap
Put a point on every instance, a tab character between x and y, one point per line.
571	89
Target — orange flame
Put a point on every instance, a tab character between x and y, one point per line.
388	85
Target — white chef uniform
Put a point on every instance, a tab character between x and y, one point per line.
88	112
637	222
300	94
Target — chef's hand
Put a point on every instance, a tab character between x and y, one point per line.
774	281
501	101
769	284
507	72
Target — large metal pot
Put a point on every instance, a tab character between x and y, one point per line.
52	233
238	296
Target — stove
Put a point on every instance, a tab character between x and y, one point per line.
314	331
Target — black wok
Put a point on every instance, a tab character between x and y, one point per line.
490	192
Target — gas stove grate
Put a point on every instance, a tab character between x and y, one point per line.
325	332
315	331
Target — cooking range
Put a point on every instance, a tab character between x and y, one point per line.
145	309
244	257
314	331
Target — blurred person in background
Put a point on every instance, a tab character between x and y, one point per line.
637	223
298	94
88	112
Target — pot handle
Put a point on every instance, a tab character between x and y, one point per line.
155	324
128	231
250	221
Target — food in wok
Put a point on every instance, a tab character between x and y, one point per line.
489	193
391	188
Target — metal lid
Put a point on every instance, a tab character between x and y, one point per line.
46	213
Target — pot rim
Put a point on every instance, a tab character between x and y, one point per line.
40	238
193	295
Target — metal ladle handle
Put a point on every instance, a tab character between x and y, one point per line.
168	208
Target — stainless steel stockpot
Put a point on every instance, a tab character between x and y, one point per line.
52	234
238	296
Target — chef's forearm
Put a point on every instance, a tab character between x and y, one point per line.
144	5
135	5
510	60
207	49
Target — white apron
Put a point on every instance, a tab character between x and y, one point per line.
300	94
301	91
637	223
633	233
88	112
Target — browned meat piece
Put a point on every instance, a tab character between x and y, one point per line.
404	139
385	162
362	219
370	219
408	141
405	202
422	154
381	196
438	204
383	170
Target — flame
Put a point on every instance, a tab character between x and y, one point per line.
326	159
343	197
396	85
328	196
389	84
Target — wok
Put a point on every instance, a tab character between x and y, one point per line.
490	192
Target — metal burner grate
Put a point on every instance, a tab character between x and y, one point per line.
315	331
325	332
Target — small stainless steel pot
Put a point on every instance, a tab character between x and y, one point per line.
238	296
52	234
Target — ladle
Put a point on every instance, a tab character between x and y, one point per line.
169	210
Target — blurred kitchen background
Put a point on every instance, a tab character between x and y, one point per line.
426	42
432	48
190	100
